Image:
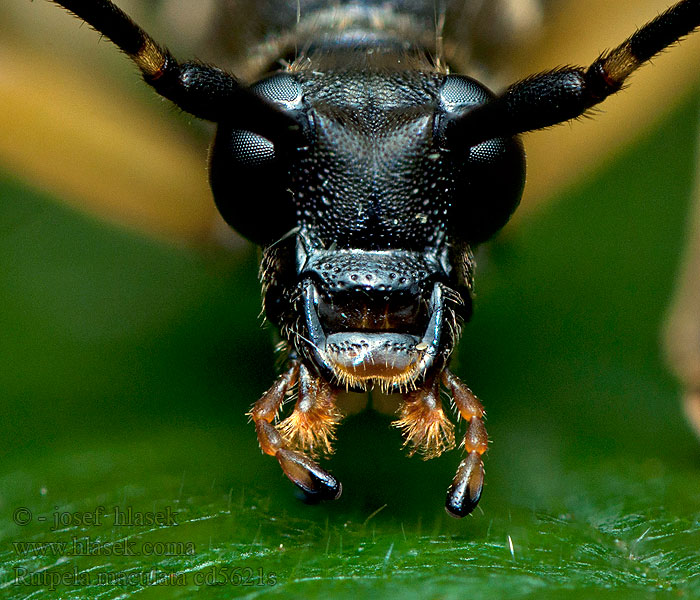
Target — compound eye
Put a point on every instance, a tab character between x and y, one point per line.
489	178
250	149
458	93
249	176
281	89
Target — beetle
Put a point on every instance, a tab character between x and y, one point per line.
384	171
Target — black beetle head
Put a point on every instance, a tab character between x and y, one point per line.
370	168
381	215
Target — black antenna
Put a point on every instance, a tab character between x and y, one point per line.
205	91
566	93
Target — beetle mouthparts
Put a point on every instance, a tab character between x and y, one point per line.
361	355
361	359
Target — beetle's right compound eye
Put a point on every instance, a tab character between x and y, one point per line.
282	89
249	176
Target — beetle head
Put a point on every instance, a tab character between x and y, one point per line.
368	219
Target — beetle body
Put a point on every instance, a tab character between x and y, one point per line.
378	171
367	266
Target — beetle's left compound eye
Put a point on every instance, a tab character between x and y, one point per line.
249	175
489	177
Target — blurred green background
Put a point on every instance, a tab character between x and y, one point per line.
127	364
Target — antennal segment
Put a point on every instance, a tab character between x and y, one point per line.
566	93
205	91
